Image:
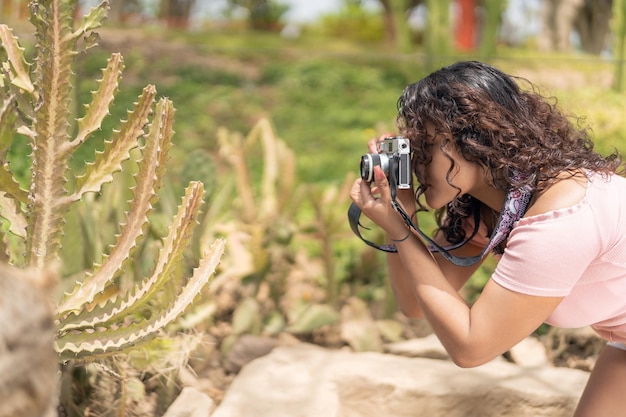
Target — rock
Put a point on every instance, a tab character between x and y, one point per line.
358	328
530	352
308	381
247	348
423	347
28	362
190	403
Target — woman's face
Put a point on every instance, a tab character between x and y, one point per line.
449	175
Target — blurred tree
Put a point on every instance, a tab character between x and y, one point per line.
589	18
592	24
176	12
262	14
619	31
558	17
438	32
397	31
121	10
13	10
492	17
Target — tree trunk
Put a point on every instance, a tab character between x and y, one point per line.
558	18
397	31
592	23
438	32
493	10
176	12
28	361
619	31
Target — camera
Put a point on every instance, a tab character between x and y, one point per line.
394	157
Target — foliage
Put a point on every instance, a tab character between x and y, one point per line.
353	22
262	14
99	317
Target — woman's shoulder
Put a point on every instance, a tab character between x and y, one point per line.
565	193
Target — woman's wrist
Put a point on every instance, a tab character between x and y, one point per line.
399	234
408	233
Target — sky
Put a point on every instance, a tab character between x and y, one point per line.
308	10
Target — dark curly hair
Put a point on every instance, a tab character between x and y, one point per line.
491	121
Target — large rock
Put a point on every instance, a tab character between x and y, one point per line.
308	381
28	362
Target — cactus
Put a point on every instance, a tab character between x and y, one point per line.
96	319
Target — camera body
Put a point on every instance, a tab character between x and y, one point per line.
394	157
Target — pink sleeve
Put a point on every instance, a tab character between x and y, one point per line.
547	254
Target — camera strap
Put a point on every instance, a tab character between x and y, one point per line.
514	206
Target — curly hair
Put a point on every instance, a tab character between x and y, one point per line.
491	121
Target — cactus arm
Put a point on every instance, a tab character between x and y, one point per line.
10	211
149	181
93	19
7	124
100	103
117	150
85	345
20	75
171	253
51	130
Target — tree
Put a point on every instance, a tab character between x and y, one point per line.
262	14
619	31
396	28
493	10
592	24
589	18
176	12
438	32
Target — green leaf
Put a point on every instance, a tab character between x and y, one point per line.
247	317
313	317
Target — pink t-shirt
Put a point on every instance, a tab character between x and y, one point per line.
578	253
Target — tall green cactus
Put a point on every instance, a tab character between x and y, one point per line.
36	104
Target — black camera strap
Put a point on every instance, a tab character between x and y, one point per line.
514	206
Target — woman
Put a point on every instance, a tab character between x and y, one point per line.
476	137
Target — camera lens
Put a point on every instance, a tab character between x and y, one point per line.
369	161
367	167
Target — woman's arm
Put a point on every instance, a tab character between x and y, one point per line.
472	335
457	276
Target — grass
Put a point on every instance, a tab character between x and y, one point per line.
326	97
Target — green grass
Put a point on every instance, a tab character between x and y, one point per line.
326	97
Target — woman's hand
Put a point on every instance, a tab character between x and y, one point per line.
378	206
374	199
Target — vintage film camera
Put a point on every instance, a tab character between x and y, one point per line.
394	158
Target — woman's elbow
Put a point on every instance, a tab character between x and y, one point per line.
465	358
412	312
